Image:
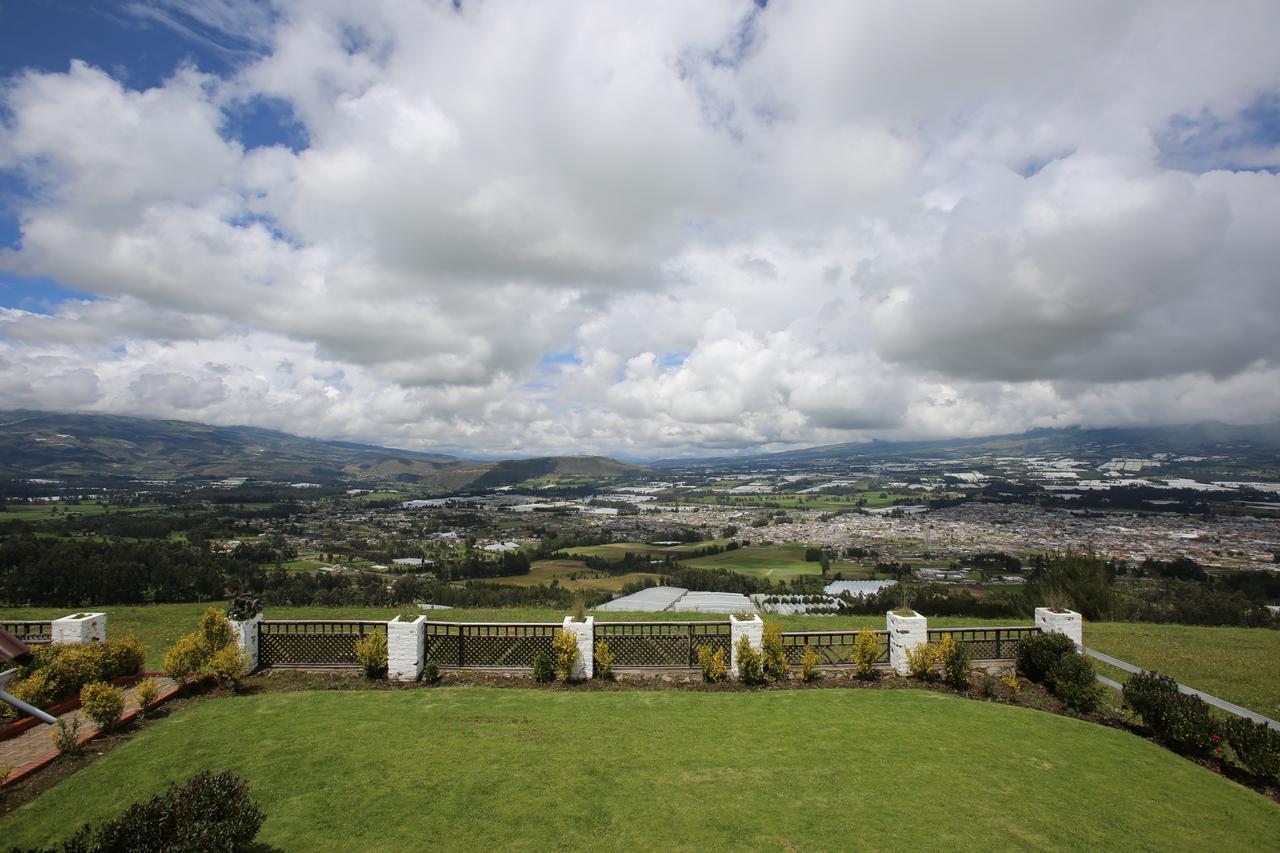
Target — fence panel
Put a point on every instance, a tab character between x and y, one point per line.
834	648
987	643
508	645
665	645
33	632
312	642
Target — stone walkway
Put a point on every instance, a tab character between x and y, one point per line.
34	747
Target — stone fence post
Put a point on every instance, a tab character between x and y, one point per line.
80	628
405	654
752	629
1061	622
246	631
585	632
906	633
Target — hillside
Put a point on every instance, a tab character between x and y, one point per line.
48	444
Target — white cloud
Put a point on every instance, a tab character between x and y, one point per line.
808	223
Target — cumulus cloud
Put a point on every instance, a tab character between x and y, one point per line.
542	227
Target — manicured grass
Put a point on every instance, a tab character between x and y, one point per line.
483	768
1241	665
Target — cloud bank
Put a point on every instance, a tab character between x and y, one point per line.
521	228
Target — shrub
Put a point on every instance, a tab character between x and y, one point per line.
866	648
955	660
371	652
922	661
809	664
1038	654
773	655
1011	683
214	632
1150	695
57	673
603	660
102	703
987	685
714	666
565	647
1072	678
543	669
431	672
1189	726
1257	747
211	811
146	692
229	665
66	736
750	664
184	658
5	770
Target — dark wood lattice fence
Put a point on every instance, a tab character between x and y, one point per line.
987	643
834	648
33	632
651	645
510	645
312	642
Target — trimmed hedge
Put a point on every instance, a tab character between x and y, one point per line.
1179	719
57	673
1038	654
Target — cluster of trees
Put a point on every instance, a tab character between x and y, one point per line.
317	589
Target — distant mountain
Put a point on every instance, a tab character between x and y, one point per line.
1206	439
49	444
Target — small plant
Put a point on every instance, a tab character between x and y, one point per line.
184	658
146	692
1010	682
579	609
987	685
809	664
543	669
773	655
1038	654
102	703
866	648
5	770
955	660
66	735
214	631
431	672
922	662
229	665
750	664
714	666
565	648
1257	747
603	660
371	652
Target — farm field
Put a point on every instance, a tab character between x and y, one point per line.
545	571
616	550
45	511
1241	665
776	562
468	767
875	499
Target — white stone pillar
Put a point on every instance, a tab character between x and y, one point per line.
752	629
246	632
906	633
80	628
585	632
405	653
1061	622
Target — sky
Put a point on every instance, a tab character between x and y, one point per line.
646	230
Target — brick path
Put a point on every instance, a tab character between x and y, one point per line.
35	746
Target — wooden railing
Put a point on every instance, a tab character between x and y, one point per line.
33	632
987	643
487	645
313	642
661	645
834	648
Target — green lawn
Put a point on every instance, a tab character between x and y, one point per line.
616	550
483	768
1241	665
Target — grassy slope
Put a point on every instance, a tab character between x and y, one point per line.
1241	665
475	768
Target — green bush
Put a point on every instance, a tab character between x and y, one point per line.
210	812
1072	678
1150	695
1038	654
866	648
431	672
922	662
1257	747
714	666
956	659
102	703
809	664
229	665
214	631
564	645
750	663
543	669
146	692
773	655
57	673
603	660
1190	727
184	658
371	652
66	736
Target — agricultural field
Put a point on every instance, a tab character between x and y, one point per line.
45	511
485	768
565	572
875	499
616	550
776	562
